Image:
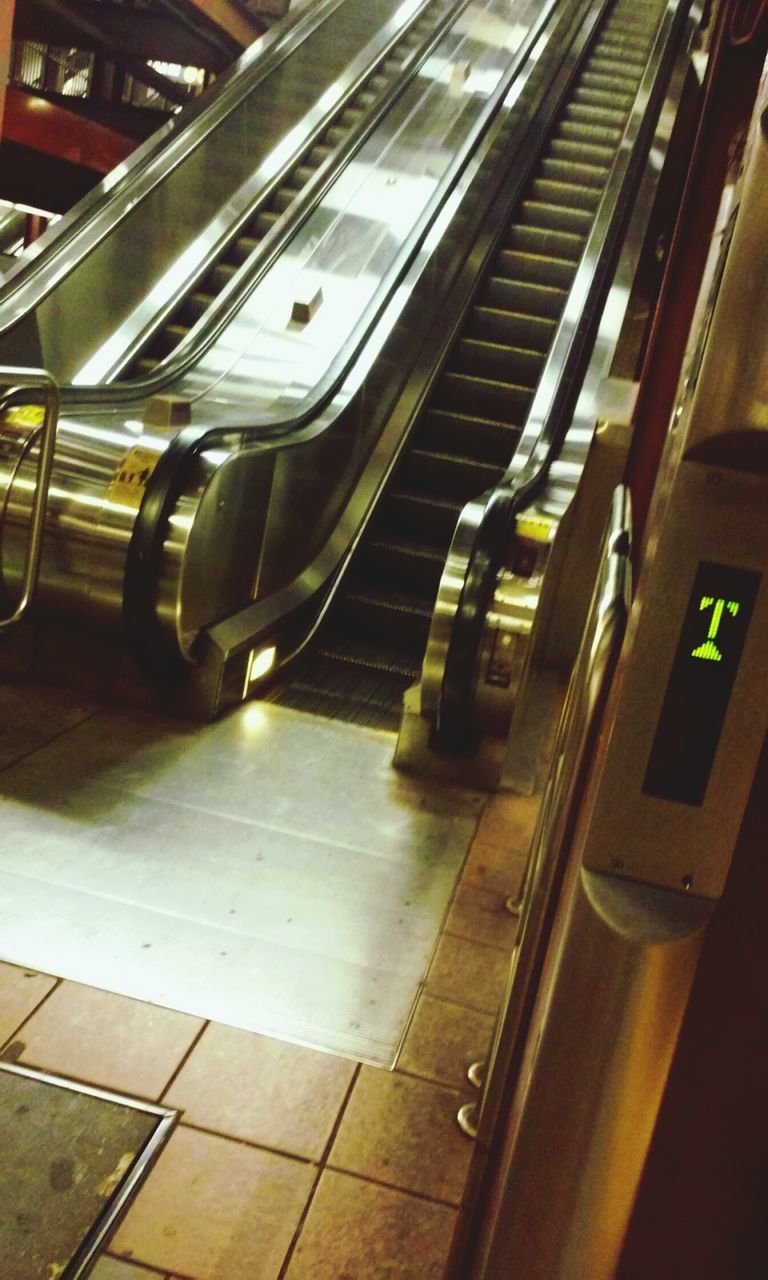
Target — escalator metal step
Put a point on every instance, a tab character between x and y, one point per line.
389	618
482	396
511	328
318	155
371	657
264	222
242	249
622	84
219	277
498	361
581	131
567	195
610	99
284	198
444	475
493	441
302	174
520	295
534	268
555	217
565	245
582	152
583	114
582	173
415	567
413	517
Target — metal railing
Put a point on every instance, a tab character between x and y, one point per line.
31	388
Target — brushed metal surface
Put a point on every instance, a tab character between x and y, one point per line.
270	871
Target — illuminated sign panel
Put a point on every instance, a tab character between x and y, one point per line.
700	683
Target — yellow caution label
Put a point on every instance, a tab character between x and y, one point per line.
24	415
535	528
130	479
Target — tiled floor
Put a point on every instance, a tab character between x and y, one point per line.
289	1163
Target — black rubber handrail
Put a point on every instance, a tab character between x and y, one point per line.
142	629
456	729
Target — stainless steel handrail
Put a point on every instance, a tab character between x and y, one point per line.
20	383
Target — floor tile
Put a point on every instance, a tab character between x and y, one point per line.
480	915
358	1231
20	991
262	1090
114	1269
508	820
495	868
468	973
443	1040
391	1121
31	715
106	1039
216	1210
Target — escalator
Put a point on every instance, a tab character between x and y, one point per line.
371	647
158	560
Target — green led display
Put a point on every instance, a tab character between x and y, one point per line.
709	650
708	653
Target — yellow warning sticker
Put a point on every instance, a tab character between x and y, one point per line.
536	528
130	479
24	415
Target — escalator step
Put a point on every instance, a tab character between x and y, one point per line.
411	566
167	339
583	131
242	249
318	155
492	442
455	477
534	268
612	61
610	83
586	175
495	360
565	245
283	198
371	657
582	152
219	277
511	328
606	116
195	307
334	689
383	617
264	222
412	517
569	195
302	174
554	217
595	95
484	397
519	295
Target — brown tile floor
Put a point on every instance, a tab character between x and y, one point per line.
288	1163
